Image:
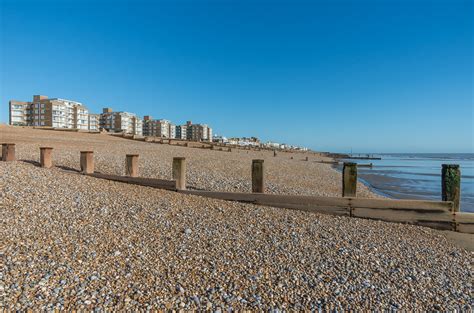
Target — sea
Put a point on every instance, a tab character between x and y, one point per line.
416	175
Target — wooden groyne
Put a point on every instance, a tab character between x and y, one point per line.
443	214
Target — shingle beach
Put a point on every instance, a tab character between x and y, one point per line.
68	241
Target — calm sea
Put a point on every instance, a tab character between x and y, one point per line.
417	176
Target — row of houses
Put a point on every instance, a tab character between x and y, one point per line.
62	113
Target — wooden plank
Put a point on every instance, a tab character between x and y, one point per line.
418	205
269	198
332	210
335	206
439	220
464	222
142	181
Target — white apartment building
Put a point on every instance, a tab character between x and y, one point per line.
94	122
18	113
172	131
81	117
50	112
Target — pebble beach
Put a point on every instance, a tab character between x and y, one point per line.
69	241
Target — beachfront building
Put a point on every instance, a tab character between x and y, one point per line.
19	112
172	131
80	117
94	122
220	139
245	141
273	145
148	127
49	112
125	122
182	132
198	132
158	128
163	128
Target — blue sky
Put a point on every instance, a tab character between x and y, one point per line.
374	76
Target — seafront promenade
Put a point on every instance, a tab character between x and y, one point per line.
73	241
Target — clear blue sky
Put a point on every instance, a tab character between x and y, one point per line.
378	76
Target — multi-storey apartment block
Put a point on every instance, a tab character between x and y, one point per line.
54	112
94	122
61	113
125	122
80	117
194	132
18	113
158	128
147	125
172	131
182	132
199	132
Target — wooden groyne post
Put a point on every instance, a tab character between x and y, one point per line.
258	182
46	157
451	184
8	152
131	165
179	172
349	180
87	162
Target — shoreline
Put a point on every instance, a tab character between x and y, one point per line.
398	181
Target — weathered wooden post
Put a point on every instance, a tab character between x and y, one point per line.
258	181
179	172
307	159
45	157
349	180
87	162
451	184
274	153
131	165
8	152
